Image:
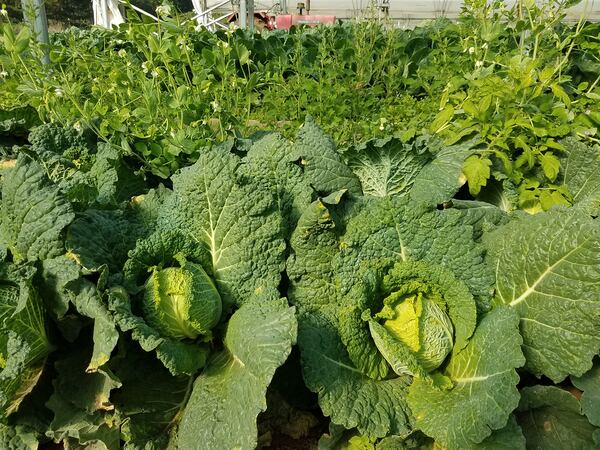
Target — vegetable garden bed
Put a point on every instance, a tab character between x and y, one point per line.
426	278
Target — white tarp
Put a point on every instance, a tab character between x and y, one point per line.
107	13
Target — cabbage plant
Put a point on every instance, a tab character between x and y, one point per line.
393	304
160	322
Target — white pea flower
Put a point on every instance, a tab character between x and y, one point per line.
4	12
183	45
3	74
478	64
145	67
471	50
154	73
122	53
58	92
163	11
215	106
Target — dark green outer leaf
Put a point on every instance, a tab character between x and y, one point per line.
386	166
230	393
551	419
101	237
323	166
508	438
151	400
33	213
581	174
442	178
589	383
269	158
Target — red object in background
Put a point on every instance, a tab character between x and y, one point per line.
286	21
262	20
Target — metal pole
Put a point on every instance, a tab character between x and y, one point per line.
251	16
34	12
243	14
284	6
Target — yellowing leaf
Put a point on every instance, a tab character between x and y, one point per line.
550	165
546	74
548	199
470	108
558	91
477	171
442	118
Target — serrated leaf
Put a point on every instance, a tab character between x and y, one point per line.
477	172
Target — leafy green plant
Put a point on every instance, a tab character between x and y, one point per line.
123	278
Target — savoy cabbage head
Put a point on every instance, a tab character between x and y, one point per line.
181	302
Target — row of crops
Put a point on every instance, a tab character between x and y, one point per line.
346	238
